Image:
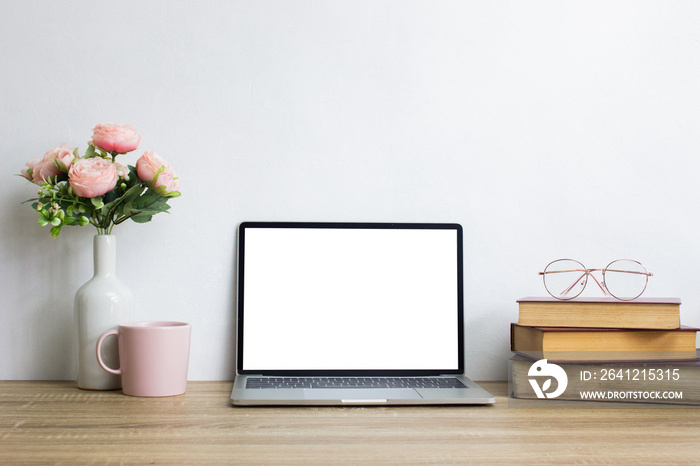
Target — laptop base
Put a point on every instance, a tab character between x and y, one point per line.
472	395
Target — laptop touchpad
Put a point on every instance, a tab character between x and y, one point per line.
364	394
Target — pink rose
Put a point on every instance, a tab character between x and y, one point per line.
47	167
148	166
115	137
28	170
92	177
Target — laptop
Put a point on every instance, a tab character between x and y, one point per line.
351	314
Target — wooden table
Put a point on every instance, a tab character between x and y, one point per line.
54	422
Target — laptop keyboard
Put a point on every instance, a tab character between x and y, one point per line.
354	382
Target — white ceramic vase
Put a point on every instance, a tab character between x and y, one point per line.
101	304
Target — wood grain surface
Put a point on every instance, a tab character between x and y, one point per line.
56	423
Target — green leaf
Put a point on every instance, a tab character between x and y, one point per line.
150	213
109	197
55	231
142	218
83	221
60	165
90	152
155	177
43	222
161	190
128	196
97	202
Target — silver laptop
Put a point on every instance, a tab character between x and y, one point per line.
351	314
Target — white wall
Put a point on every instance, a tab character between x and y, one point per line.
547	128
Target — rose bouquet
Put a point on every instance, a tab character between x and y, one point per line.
96	189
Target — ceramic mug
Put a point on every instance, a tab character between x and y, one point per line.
153	357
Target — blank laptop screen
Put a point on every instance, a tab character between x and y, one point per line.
328	297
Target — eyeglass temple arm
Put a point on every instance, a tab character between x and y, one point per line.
600	285
585	272
566	291
571	287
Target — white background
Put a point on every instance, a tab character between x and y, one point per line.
547	128
350	299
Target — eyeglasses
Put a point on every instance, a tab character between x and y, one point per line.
623	279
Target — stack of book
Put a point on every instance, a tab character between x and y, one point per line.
635	350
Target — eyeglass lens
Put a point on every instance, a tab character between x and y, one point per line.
625	279
565	278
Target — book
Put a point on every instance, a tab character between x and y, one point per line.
670	382
650	313
593	344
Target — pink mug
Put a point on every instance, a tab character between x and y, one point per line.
153	357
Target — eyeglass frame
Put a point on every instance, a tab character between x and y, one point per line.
586	272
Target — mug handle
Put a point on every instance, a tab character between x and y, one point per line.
99	356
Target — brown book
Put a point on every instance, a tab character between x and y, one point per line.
668	382
647	313
595	344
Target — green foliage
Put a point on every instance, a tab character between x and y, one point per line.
57	204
